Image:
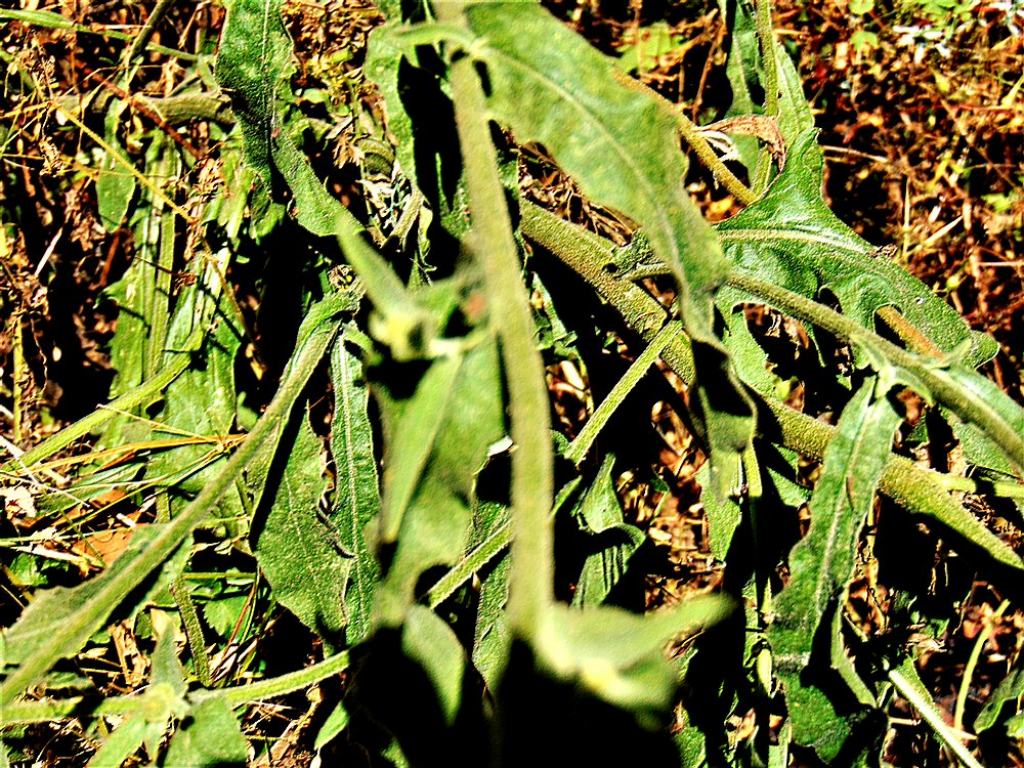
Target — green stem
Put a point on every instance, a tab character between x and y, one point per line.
771	67
1000	488
763	22
532	579
579	447
146	33
909	333
193	629
279	686
129	401
487	550
918	490
908	683
692	136
940	386
26	712
972	665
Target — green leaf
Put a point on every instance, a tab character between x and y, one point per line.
201	403
742	69
223	613
651	43
795	116
414	434
162	700
864	40
383	60
121	744
356	495
492	639
115	187
822	562
618	655
815	723
723	514
166	668
427	640
254	67
613	541
861	7
335	723
296	547
210	737
47	616
792	239
143	295
841	662
544	77
980	447
456	414
1011	688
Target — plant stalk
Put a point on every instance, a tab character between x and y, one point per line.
763	22
532	579
578	448
939	385
918	490
692	136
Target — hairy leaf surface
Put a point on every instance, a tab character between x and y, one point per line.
297	547
792	239
822	562
436	441
356	494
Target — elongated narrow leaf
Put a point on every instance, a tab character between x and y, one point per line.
356	494
122	743
437	471
142	294
492	638
254	67
1010	689
822	562
430	642
792	239
723	516
414	435
114	186
981	446
296	547
742	68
